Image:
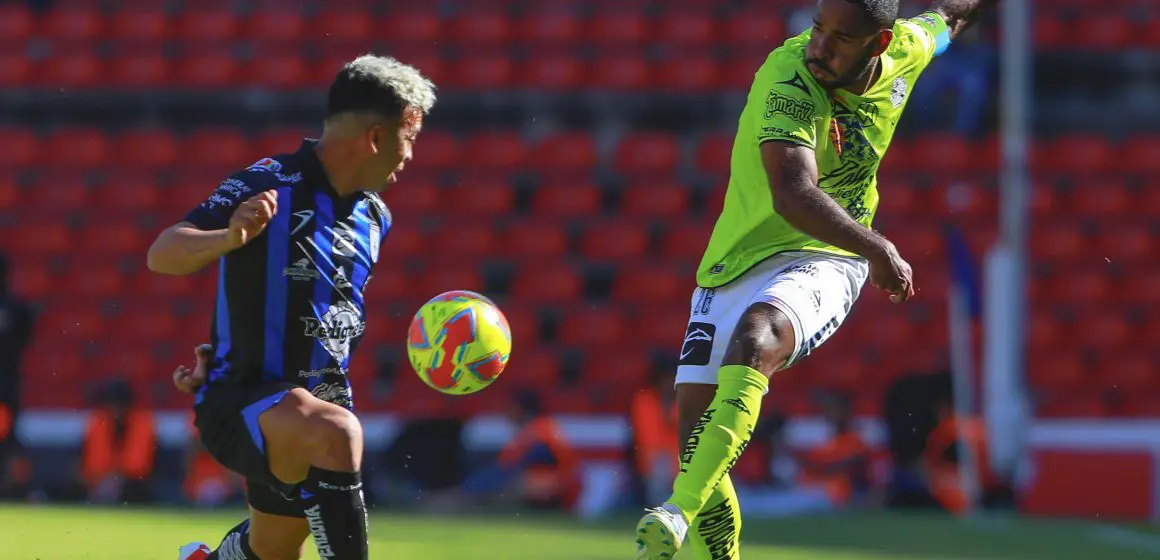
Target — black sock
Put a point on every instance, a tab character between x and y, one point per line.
337	513
235	545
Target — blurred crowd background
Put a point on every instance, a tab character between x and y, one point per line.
572	170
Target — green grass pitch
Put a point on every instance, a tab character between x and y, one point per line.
53	533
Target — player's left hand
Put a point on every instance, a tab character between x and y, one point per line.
189	381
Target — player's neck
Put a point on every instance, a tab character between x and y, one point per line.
343	184
862	86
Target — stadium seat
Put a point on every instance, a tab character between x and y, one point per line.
147	324
21	147
1106	329
1139	288
622	29
537	369
474	29
146	148
546	28
1045	329
535	238
625	367
217	148
139	69
1102	31
621	72
36	239
1079	404
404	241
661	329
277	26
155	286
553	72
652	284
420	197
285	71
109	239
386	284
59	193
753	29
415	27
713	152
435	151
75	323
658	199
549	282
139	28
565	152
446	276
647	153
207	25
483	71
495	151
32	280
1106	199
686	29
593	326
463	241
1126	243
566	199
1140	154
206	69
1051	33
345	25
686	239
479	197
79	69
1058	370
80	25
17	23
614	240
1076	154
942	153
87	147
15	69
966	200
688	74
11	194
1058	241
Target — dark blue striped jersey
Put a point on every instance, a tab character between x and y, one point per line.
290	302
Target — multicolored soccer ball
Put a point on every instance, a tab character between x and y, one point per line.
459	342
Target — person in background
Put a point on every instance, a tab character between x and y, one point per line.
940	459
841	465
119	448
16	321
654	431
541	465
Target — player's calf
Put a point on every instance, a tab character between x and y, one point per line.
320	445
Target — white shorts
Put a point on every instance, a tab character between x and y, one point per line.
815	290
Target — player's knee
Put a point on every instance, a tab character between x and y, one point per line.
337	438
762	340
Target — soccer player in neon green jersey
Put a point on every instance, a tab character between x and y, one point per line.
794	244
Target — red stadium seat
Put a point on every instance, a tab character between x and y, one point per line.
686	239
207	69
647	152
217	147
713	153
21	147
627	29
567	151
167	288
694	29
435	151
1134	373
32	280
119	238
689	74
420	197
614	240
1105	199
59	193
1046	330
1126	244
71	70
16	22
37	239
662	328
1107	329
276	26
533	239
537	368
901	199
1058	242
1077	154
599	326
11	194
547	283
140	69
652	284
1102	32
387	284
943	153
1140	154
15	69
627	368
1052	33
1139	288
420	27
201	25
284	71
1077	404
1058	370
966	200
621	72
656	199
139	26
551	28
463	242
566	199
80	25
343	25
754	29
484	71
143	323
480	198
446	276
554	72
93	279
495	151
86	147
525	326
404	240
280	140
481	29
1046	200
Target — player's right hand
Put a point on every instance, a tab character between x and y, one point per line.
189	381
250	218
890	273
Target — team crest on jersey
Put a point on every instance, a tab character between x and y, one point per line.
266	164
898	92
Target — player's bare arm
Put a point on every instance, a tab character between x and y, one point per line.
961	14
184	249
793	178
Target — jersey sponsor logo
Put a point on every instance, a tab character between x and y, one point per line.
698	345
302	270
265	164
320	372
898	92
292	178
798	82
318	529
228	193
333	393
341	323
694	440
304	217
799	110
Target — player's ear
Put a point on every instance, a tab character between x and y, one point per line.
374	138
884	38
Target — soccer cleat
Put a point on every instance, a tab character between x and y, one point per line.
194	551
659	534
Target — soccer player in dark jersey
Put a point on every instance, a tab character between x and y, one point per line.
297	237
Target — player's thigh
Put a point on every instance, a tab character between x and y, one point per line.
227	423
301	430
277	537
811	298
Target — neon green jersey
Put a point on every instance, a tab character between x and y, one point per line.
848	133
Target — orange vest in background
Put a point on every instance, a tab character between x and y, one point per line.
945	482
654	428
838	484
563	478
130	456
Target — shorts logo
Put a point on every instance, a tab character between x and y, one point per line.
698	345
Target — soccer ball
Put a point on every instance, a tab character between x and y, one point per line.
459	342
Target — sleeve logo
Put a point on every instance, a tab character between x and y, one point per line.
797	109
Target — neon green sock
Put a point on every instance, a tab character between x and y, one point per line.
719	437
716	532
